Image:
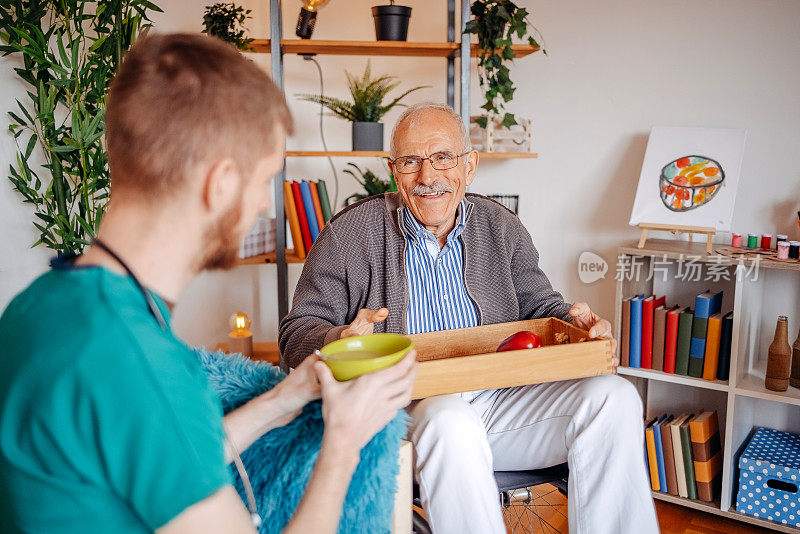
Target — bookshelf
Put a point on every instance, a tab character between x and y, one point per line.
450	50
757	297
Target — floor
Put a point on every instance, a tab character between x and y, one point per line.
551	507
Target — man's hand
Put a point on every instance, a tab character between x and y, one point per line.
362	325
296	390
356	410
584	318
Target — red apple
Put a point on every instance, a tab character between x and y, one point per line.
524	339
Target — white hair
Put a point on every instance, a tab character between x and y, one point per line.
423	107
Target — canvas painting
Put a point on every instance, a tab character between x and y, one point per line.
689	177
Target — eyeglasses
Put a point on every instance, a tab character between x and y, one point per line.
441	161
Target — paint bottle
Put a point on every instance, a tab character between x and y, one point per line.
783	250
781	237
752	241
794	249
766	241
779	358
736	240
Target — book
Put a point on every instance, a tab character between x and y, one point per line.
648	305
625	333
671	339
725	339
684	339
677	452
311	215
301	216
712	346
294	222
706	304
317	208
669	457
662	475
324	201
659	337
635	359
707	454
688	463
651	455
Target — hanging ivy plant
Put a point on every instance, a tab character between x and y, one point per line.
227	21
496	22
69	51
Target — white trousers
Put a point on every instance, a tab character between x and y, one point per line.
593	423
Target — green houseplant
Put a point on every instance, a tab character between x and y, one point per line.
227	21
367	107
496	22
68	52
372	184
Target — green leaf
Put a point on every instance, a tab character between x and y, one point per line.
482	121
509	120
31	145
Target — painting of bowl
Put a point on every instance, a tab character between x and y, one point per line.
690	182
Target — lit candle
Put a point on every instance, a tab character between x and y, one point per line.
240	338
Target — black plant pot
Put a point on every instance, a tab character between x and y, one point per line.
367	136
391	22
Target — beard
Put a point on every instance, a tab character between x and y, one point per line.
222	241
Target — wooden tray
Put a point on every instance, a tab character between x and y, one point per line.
454	361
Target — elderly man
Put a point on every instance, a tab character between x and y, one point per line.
433	257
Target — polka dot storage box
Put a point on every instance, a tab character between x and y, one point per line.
769	474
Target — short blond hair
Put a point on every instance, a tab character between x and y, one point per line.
179	100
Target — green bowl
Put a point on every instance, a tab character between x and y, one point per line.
354	356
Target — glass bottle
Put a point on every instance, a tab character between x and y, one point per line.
779	358
794	380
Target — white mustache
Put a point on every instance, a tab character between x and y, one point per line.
435	187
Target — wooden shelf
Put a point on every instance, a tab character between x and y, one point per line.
717	385
376	48
677	249
264	351
715	508
752	385
385	154
269	257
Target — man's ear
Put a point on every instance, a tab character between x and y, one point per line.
472	165
220	186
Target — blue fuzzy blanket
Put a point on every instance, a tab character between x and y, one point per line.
280	462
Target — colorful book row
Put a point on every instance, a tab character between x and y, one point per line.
308	209
684	455
683	341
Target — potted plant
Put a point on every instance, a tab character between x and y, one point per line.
67	53
495	22
372	184
366	109
391	22
227	21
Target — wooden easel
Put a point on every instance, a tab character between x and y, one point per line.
678	229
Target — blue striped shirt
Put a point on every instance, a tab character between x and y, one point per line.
438	298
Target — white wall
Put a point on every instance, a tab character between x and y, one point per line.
615	68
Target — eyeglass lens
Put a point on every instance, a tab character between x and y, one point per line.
440	161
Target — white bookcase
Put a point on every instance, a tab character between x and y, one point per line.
757	292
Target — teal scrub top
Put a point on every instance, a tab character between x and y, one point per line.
107	422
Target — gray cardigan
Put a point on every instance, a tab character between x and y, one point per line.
357	262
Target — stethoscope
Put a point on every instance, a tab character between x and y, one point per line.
155	311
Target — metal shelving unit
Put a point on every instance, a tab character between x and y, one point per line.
449	50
